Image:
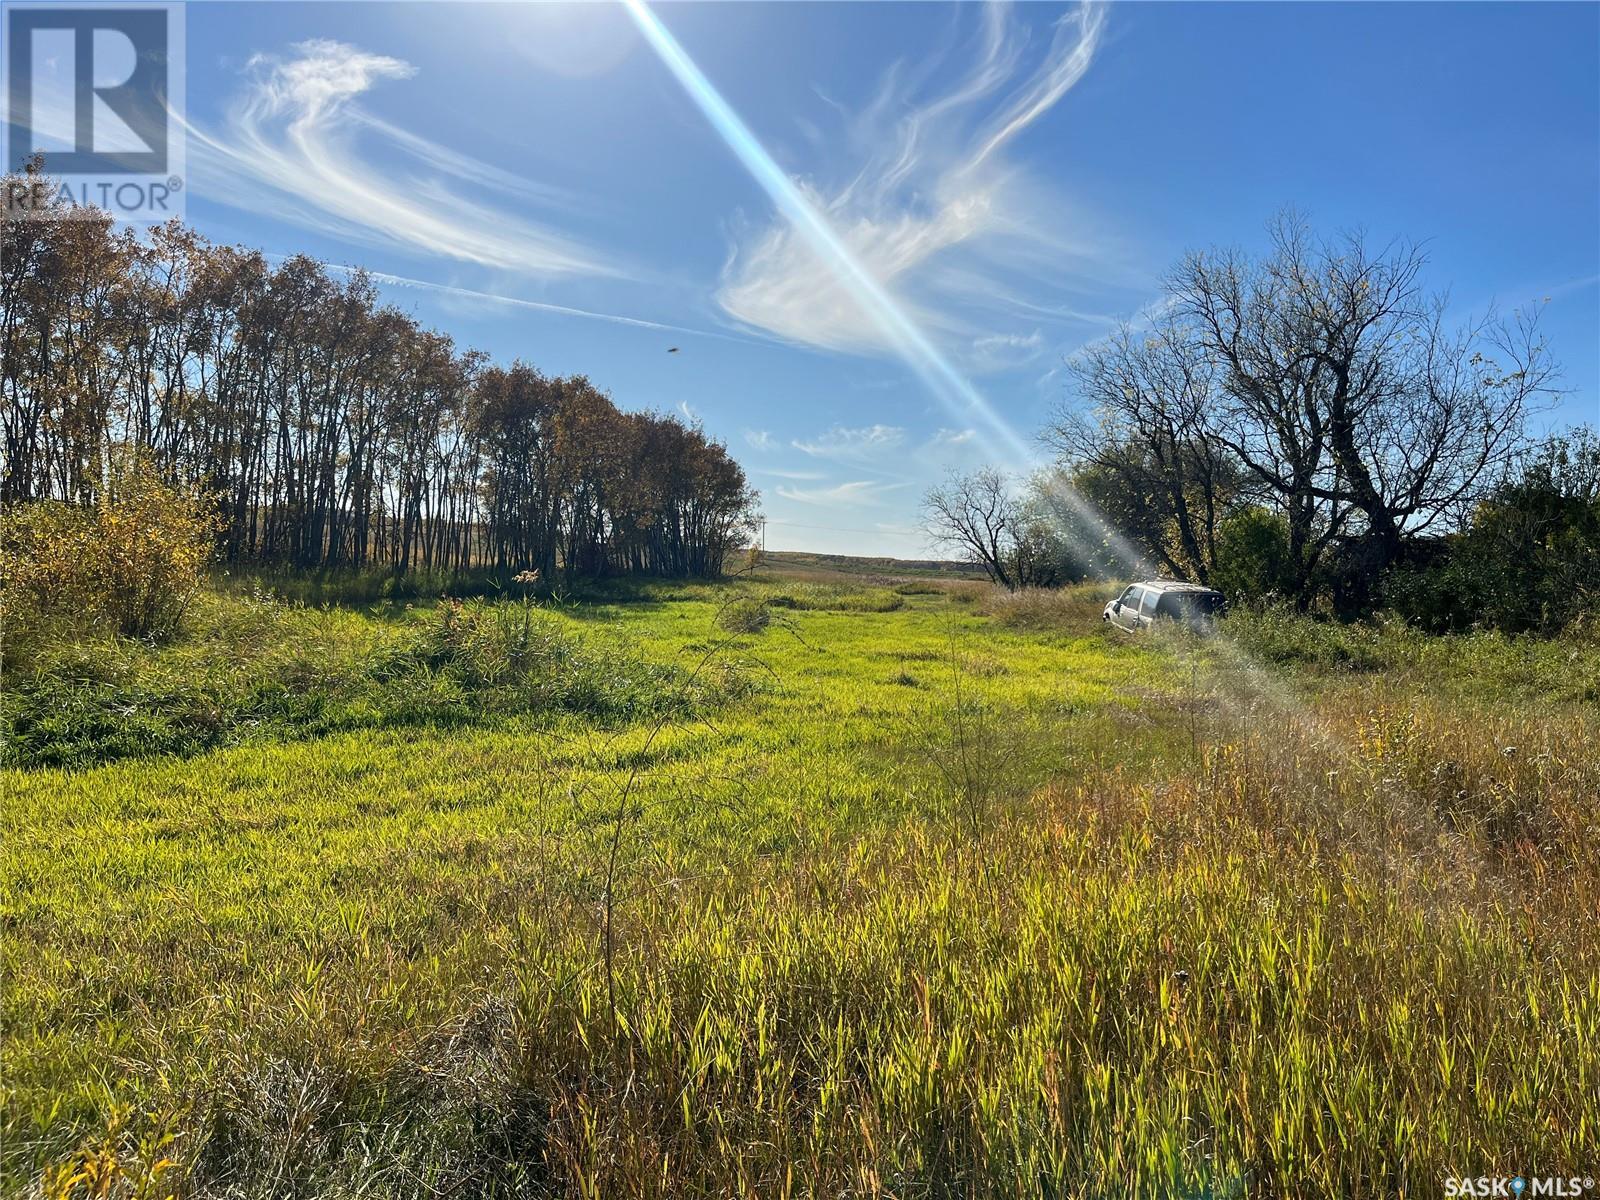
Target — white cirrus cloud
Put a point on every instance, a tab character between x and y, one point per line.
842	442
930	207
851	494
296	143
1005	351
783	473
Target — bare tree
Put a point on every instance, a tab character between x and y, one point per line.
977	515
1146	438
1343	390
1320	380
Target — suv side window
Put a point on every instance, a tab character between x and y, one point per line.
1131	596
1151	599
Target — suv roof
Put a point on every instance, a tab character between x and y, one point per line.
1172	585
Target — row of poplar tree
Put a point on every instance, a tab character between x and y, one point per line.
333	430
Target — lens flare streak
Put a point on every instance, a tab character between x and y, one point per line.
954	390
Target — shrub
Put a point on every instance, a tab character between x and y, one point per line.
510	657
744	616
133	560
1045	608
362	587
1530	559
1253	561
970	592
43	549
255	669
1276	635
820	597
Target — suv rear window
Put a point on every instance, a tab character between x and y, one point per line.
1187	605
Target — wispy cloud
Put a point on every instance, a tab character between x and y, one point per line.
930	199
296	142
852	494
782	473
1005	351
495	299
1581	283
841	442
761	439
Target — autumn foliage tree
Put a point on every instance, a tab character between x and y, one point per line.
131	560
329	429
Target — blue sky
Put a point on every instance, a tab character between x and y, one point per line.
1012	181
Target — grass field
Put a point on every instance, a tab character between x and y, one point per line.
797	886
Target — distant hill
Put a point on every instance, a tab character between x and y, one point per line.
805	563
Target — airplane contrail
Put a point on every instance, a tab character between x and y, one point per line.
563	310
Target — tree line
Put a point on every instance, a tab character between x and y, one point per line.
1307	425
331	429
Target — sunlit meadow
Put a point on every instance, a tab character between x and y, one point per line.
901	888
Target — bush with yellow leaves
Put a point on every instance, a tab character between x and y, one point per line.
131	561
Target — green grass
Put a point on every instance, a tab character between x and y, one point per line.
255	669
911	892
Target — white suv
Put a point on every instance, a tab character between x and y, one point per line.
1143	604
